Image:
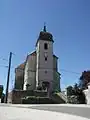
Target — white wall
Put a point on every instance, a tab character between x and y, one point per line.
19	78
30	72
87	94
18	72
43	65
56	80
41	53
55	62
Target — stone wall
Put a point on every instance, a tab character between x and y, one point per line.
30	72
15	96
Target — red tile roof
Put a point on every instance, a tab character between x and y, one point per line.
21	66
33	53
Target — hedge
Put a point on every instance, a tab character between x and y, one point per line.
37	100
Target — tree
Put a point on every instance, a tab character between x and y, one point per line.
69	90
81	96
75	94
1	90
2	98
76	88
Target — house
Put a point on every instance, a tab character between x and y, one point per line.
87	94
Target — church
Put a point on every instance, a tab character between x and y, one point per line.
37	77
40	69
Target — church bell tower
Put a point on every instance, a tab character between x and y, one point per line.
44	59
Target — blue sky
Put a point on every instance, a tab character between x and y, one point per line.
68	21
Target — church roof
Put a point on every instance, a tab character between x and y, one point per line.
21	66
55	56
44	35
33	53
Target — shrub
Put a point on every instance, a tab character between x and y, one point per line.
36	100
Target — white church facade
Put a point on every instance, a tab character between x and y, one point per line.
41	66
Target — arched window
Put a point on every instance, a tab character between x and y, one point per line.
45	46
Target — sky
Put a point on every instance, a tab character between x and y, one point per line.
69	22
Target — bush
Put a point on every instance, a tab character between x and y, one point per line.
1	90
39	88
36	100
2	98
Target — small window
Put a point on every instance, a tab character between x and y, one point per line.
45	58
45	46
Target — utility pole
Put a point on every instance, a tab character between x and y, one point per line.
8	76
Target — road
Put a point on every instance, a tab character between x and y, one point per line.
51	112
79	111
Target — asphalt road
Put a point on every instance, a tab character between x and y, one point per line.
10	112
79	111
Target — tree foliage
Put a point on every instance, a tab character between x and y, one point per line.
1	90
69	91
2	98
76	94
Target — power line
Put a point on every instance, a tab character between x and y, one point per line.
4	66
3	59
72	72
69	71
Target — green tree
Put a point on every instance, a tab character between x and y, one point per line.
76	89
75	94
1	90
69	90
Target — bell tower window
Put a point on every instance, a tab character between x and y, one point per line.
45	58
45	46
